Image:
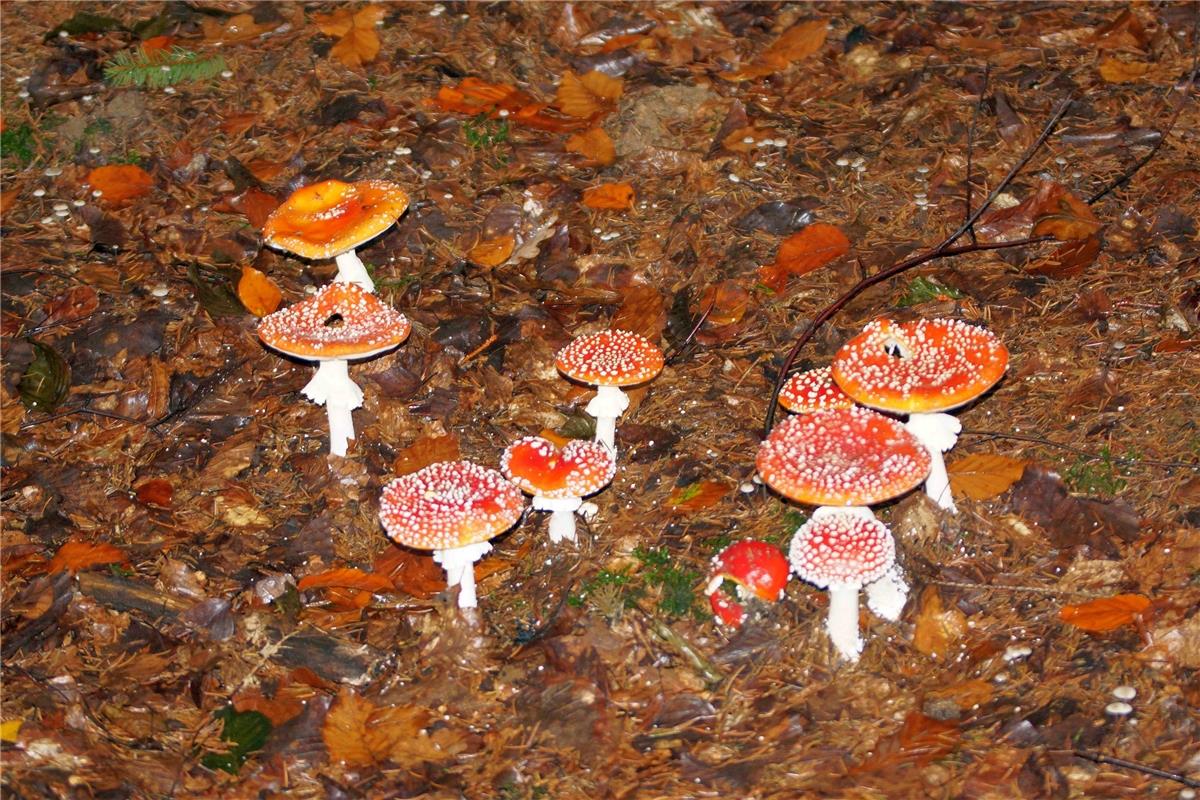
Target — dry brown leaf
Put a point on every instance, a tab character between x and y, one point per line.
425	451
611	196
593	144
345	730
1064	216
797	42
585	97
120	183
257	205
982	476
75	556
965	695
346	578
697	496
413	573
937	628
73	304
803	252
920	740
1105	613
1069	258
359	42
1116	71
258	293
492	252
155	492
641	311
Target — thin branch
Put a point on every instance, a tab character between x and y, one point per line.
675	352
1136	767
987	74
943	249
1021	437
1008	587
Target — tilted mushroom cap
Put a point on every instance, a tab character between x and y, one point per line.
813	390
842	457
449	504
842	548
758	567
610	358
920	366
578	469
324	219
343	320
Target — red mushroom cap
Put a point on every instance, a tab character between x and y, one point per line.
842	457
842	548
325	219
921	366
449	504
610	358
539	467
813	390
365	325
757	566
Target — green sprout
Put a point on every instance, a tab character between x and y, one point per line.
482	132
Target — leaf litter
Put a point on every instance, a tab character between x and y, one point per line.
199	601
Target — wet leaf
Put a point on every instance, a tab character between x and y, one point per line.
938	629
71	305
726	303
641	311
803	252
982	476
1106	613
258	293
492	252
612	196
120	183
797	42
155	492
593	144
697	496
776	218
214	293
46	381
1041	497
246	731
587	96
75	556
346	578
1069	259
1116	71
425	451
257	205
1065	217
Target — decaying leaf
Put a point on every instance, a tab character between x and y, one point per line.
588	96
982	476
258	293
803	252
697	496
938	629
119	184
593	144
797	42
75	556
492	252
1106	613
611	196
346	578
46	381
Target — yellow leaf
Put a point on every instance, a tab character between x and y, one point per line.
492	252
982	476
1105	613
1115	71
258	293
594	144
9	729
612	196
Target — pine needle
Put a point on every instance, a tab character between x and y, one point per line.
161	67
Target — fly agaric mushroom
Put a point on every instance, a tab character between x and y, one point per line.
844	460
452	508
342	321
331	218
813	390
558	479
609	360
922	368
843	549
757	568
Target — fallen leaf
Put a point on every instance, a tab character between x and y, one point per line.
920	740
937	628
1064	216
1069	259
965	695
641	311
474	96
797	42
416	574
425	451
492	252
1041	497
593	144
725	302
1116	71
345	729
120	183
587	96
238	28
982	476
346	578
803	252
73	304
612	196
359	42
697	496
1106	613
155	492
258	293
1125	30
75	556
257	205
358	733
9	730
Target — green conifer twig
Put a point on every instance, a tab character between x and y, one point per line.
161	68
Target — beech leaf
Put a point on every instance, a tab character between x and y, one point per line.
610	196
75	556
1106	613
346	578
258	293
982	476
118	184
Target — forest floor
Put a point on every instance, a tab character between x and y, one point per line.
200	601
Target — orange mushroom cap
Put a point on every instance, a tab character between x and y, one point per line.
325	219
367	325
842	457
578	469
610	358
813	390
921	366
449	504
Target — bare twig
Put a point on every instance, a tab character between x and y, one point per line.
943	249
1022	437
675	352
1136	767
987	73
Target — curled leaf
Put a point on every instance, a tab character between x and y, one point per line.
258	293
1106	613
492	252
611	196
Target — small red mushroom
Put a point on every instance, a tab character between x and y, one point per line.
343	321
558	479
813	390
452	508
331	218
759	570
609	360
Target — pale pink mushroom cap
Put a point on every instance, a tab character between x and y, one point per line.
449	504
841	548
610	358
363	325
813	390
578	469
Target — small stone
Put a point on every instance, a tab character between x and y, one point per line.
1125	693
1118	709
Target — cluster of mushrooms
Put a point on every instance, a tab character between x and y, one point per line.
843	451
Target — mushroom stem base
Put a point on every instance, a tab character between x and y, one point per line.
939	433
562	517
352	270
608	404
842	623
887	595
459	563
332	387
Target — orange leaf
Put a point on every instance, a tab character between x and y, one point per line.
156	43
346	578
1065	217
473	96
803	252
238	28
258	293
359	46
493	252
359	733
413	573
614	196
937	628
697	496
1115	71
593	144
1069	259
338	23
237	124
797	42
155	492
588	96
425	451
982	476
75	556
1106	613
345	730
120	183
257	205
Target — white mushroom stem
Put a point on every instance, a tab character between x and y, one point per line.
887	595
332	387
938	432
459	563
352	270
608	404
842	623
562	518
